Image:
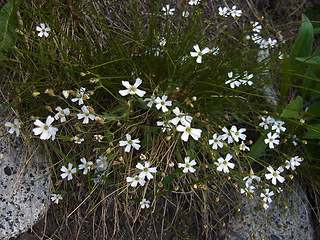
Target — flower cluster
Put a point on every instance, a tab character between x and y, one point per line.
145	172
226	11
277	126
235	80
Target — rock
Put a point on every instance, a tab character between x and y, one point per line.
277	222
24	185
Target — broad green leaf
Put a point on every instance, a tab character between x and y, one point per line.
293	109
315	60
314	110
302	47
8	25
313	132
258	147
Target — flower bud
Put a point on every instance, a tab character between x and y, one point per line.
35	94
49	91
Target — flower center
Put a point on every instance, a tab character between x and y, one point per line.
187	165
162	103
130	142
136	178
45	127
146	170
132	89
188	129
275	174
225	162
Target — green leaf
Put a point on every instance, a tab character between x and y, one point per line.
313	132
258	147
315	60
293	109
314	110
302	47
8	25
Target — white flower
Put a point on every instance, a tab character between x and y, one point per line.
128	143
194	2
234	12
256	38
225	11
216	141
143	157
246	79
187	165
250	178
187	130
162	42
165	125
102	163
267	196
224	164
65	93
146	170
293	163
243	147
162	103
86	115
86	166
272	139
247	189
274	175
233	81
45	129
270	120
167	10
271	43
150	101
227	135
78	140
56	198
135	180
98	137
280	56
256	27
277	125
180	117
265	206
67	172
145	203
62	113
43	30
185	14
132	89
236	134
264	124
13	127
199	53
215	51
80	96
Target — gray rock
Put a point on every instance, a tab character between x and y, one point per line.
24	186
276	223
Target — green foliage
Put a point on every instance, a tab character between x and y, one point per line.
8	27
301	48
293	109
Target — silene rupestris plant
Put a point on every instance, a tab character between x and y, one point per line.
171	103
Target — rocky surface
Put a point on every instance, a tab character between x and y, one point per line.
24	185
290	219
